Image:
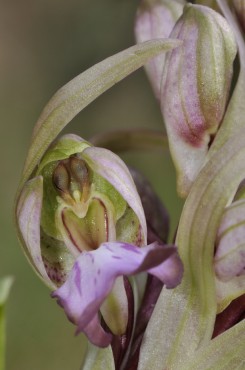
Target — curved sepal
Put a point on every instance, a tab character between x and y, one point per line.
82	90
28	217
62	148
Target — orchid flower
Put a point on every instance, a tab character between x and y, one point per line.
83	223
88	223
156	19
79	216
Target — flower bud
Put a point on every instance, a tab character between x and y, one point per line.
229	261
196	83
239	6
156	19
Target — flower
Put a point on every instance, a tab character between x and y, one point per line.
193	81
82	224
229	259
156	19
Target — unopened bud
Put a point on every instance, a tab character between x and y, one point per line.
196	85
156	19
229	261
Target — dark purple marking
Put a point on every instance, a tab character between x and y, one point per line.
139	236
117	257
129	247
54	271
91	256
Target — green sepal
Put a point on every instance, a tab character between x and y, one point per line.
62	149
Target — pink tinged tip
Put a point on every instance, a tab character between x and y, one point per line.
156	20
93	276
28	217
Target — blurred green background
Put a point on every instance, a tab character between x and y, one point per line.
44	44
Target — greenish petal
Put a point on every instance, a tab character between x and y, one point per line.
63	148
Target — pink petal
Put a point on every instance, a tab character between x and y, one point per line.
28	218
94	274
